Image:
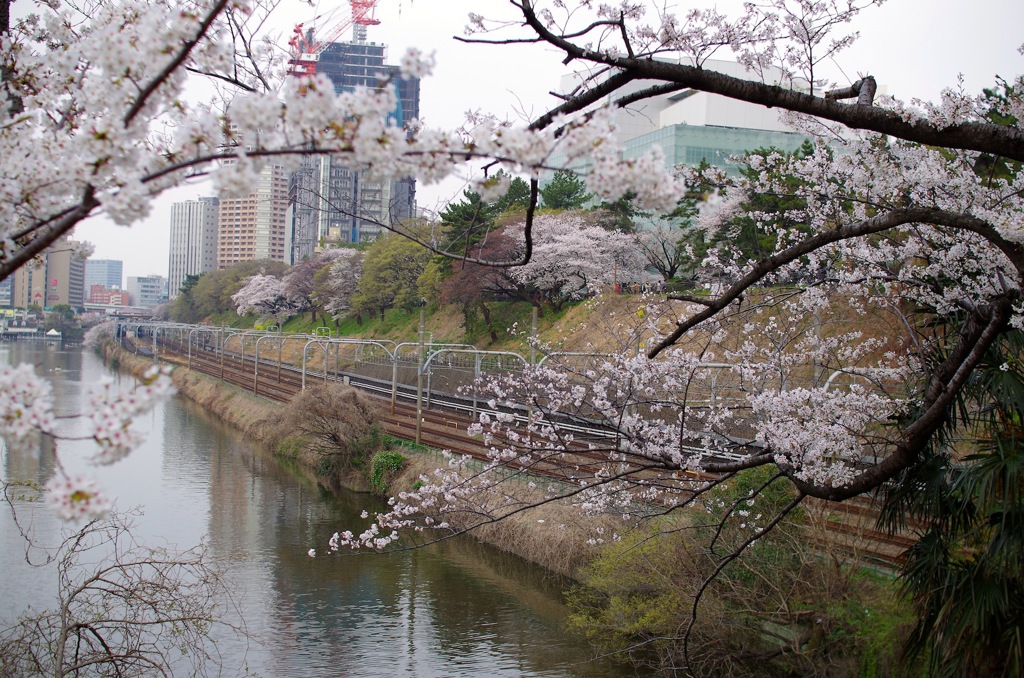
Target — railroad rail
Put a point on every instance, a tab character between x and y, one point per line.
444	425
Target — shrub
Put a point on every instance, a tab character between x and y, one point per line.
291	446
384	466
337	421
781	609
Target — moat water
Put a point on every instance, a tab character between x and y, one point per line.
457	609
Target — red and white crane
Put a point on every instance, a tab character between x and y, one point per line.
305	47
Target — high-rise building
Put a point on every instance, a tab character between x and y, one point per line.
59	279
329	201
193	249
254	227
106	272
146	290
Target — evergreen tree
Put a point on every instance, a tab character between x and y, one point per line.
565	191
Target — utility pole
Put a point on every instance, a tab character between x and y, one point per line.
419	375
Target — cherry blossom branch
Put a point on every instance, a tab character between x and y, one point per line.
863	90
250	58
998	140
230	80
587	98
756	492
877	224
976	336
175	63
43	237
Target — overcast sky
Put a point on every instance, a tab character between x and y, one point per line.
914	48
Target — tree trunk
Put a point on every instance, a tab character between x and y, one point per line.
487	321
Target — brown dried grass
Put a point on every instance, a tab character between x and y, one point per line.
553	535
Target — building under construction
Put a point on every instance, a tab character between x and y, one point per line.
330	201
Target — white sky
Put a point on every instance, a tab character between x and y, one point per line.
914	48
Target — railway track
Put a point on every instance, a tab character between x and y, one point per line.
444	426
439	428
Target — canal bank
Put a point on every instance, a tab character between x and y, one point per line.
554	536
456	608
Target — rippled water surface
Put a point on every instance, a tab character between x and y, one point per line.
457	610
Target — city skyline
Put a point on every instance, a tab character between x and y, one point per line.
913	54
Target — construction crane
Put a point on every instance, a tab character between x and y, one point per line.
306	48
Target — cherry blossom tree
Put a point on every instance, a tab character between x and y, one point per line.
573	259
266	296
336	283
916	220
664	249
299	281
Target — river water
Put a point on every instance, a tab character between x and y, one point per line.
458	609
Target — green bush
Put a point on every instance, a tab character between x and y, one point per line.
291	446
329	466
369	443
783	608
384	466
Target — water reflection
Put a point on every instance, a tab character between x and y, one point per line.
455	609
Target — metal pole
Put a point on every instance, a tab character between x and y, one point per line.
476	381
304	364
394	379
256	367
419	377
533	336
280	358
430	373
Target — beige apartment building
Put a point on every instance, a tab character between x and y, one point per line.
254	226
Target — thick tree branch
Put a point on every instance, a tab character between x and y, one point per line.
877	224
998	140
977	335
175	63
44	236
